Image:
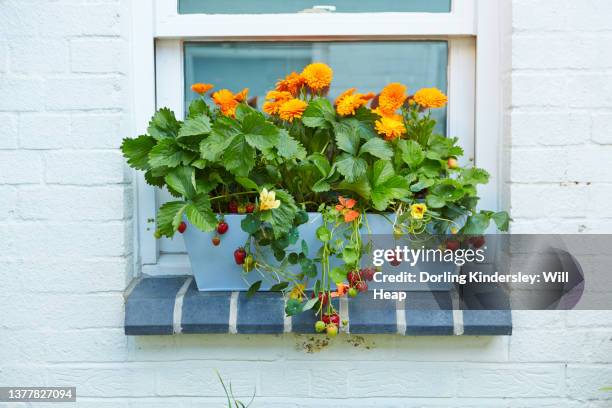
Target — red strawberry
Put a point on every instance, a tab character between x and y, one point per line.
452	245
250	208
216	241
368	274
394	261
333	318
353	277
477	242
182	227
222	227
323	298
240	255
362	287
232	207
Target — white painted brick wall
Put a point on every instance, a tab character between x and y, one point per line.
66	242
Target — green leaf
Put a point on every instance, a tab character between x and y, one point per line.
309	268
347	138
377	147
449	190
310	304
288	147
293	307
321	186
304	248
434	201
476	224
153	180
168	215
279	287
259	133
361	187
362	124
412	153
195	126
164	124
239	157
166	153
182	180
213	146
502	220
338	274
422	184
198	107
475	176
136	151
352	168
350	256
200	214
386	185
253	289
321	163
243	110
319	114
281	218
247	183
323	234
250	224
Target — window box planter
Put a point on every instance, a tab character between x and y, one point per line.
214	268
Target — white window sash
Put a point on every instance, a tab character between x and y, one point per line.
474	111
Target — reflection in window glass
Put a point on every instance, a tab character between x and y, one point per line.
294	6
369	66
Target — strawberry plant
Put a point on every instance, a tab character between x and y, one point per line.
302	152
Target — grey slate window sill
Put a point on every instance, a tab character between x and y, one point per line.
172	305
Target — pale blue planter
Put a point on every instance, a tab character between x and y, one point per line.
214	268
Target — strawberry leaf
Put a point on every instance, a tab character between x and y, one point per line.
136	151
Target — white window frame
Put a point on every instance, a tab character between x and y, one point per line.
475	87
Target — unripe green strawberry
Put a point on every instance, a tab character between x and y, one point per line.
332	330
320	326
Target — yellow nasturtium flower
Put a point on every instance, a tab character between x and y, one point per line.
297	292
417	211
268	201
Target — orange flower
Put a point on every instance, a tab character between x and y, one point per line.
292	109
349	101
341	290
227	101
391	127
392	98
274	100
317	76
292	84
201	88
430	98
346	209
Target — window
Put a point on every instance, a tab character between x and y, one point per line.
295	6
237	43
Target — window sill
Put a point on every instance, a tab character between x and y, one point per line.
172	305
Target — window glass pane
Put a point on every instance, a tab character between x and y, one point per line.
294	6
368	66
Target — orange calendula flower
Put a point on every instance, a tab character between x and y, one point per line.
391	127
346	209
430	98
349	101
317	76
292	83
392	98
201	88
292	109
274	100
227	101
